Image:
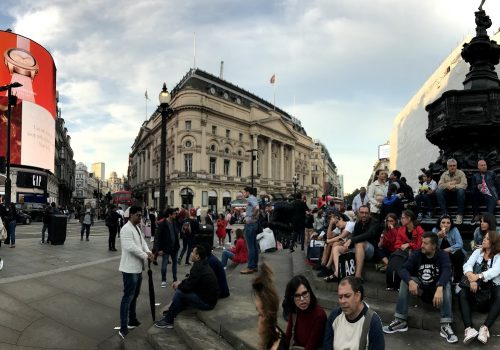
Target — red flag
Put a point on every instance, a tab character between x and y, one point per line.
273	79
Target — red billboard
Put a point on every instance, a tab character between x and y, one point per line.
33	117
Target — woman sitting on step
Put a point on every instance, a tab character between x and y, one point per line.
481	287
306	319
450	241
487	222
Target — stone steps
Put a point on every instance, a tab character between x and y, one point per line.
420	315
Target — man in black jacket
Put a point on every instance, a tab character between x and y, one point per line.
199	289
167	245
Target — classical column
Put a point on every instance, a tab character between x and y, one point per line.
269	159
176	154
256	154
203	156
292	173
282	162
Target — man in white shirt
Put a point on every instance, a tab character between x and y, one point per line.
359	200
135	254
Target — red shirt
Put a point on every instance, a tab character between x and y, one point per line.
240	252
389	239
309	328
415	241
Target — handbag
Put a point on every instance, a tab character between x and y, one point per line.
315	250
3	231
347	265
292	339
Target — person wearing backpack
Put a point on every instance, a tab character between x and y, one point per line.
343	329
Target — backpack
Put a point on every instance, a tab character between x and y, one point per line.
108	220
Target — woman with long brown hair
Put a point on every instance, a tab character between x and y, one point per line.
483	277
267	304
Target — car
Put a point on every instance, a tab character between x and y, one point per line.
35	210
23	218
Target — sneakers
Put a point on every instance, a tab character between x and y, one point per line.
164	284
420	216
458	219
447	333
133	324
474	220
122	334
484	334
396	326
164	324
247	271
470	335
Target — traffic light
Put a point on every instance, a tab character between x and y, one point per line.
3	165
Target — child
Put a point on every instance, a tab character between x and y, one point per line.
221	230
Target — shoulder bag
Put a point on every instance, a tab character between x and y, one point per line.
292	339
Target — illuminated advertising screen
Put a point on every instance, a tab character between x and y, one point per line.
34	114
384	151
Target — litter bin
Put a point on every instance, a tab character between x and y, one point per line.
57	228
205	235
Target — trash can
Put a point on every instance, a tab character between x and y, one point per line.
205	235
57	228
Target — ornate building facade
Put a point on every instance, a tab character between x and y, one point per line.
211	133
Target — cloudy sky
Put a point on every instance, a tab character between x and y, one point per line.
344	68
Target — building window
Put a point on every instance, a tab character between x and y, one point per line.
204	198
214	130
239	153
226	151
188	163
188	125
241	136
211	165
188	144
239	166
212	148
228	133
226	167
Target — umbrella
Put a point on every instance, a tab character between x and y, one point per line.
151	291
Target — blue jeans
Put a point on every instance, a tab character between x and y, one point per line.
478	197
131	289
181	300
226	254
402	304
11	232
442	195
164	263
85	228
253	250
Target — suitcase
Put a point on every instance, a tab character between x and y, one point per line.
315	250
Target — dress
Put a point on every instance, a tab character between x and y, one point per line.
221	228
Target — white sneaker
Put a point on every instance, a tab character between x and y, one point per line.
470	335
458	219
164	284
484	334
447	332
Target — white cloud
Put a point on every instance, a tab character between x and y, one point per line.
350	64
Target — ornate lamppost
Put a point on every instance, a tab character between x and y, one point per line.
165	111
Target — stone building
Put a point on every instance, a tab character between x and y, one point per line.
64	166
210	135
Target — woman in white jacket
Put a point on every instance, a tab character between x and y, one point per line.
377	191
482	271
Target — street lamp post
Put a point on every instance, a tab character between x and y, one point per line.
295	184
253	158
10	101
165	111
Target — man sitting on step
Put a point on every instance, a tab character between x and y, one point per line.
427	274
200	289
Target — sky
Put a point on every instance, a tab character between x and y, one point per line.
344	68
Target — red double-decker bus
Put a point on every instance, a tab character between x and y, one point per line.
122	198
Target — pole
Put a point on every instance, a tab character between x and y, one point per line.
8	186
163	155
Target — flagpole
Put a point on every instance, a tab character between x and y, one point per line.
274	95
